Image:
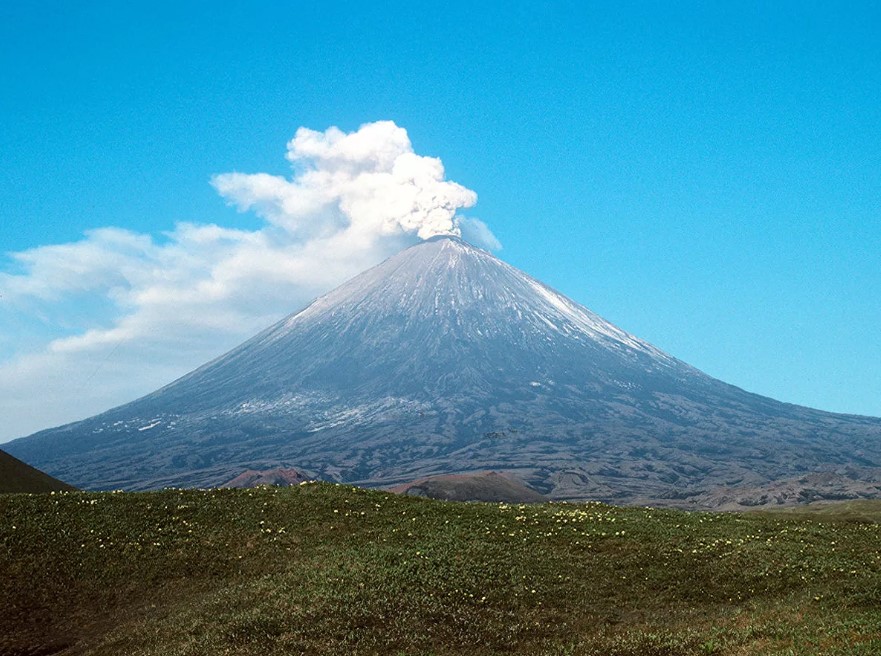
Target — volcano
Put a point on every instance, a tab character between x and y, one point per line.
444	359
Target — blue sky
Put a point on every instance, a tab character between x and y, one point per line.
705	175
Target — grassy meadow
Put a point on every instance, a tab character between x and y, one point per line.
328	569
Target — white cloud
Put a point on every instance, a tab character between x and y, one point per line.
364	184
158	307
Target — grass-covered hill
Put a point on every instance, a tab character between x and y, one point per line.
325	569
17	476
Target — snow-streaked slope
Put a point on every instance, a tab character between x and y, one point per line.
441	359
432	320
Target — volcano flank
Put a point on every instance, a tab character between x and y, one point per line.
444	359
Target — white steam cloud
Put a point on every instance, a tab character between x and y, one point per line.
94	323
369	183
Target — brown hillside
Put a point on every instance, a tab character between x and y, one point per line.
16	476
279	476
482	486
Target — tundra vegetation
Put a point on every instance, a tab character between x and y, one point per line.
329	569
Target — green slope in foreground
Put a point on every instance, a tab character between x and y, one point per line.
325	569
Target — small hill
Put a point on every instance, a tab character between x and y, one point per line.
278	476
480	486
16	476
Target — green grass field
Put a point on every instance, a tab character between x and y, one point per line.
325	569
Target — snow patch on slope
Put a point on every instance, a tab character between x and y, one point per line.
590	324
